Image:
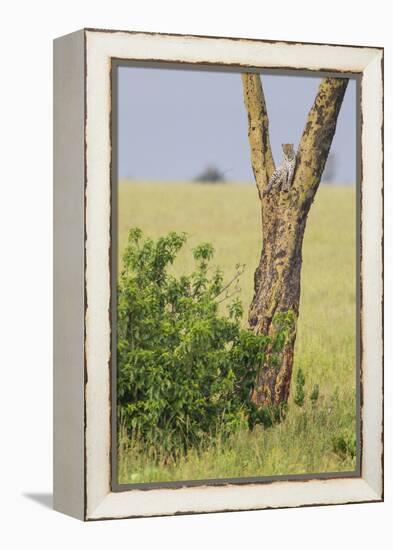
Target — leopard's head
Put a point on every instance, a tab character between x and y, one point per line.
289	151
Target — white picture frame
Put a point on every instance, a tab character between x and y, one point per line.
82	256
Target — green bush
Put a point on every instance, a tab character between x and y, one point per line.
344	444
185	371
299	389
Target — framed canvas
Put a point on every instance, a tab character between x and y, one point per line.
218	269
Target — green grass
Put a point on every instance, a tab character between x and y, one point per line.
311	438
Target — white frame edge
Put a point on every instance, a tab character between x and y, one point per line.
69	280
99	49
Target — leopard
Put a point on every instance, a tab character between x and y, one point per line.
282	177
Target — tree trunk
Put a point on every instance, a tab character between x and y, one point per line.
284	217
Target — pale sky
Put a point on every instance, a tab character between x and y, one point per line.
174	123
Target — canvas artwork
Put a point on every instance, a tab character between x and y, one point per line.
235	271
218	274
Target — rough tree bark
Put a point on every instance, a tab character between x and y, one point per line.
284	217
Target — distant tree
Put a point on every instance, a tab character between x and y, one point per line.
211	174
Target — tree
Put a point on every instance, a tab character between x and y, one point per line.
284	218
210	174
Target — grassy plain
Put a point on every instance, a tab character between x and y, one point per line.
313	438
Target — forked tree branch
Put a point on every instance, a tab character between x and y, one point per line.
316	140
258	130
317	136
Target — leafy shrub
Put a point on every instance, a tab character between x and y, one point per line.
299	389
344	444
184	371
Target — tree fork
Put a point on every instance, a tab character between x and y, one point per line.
284	217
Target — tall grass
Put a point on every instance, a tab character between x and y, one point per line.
312	438
304	443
